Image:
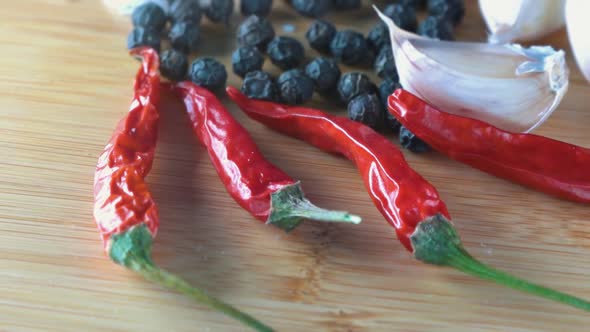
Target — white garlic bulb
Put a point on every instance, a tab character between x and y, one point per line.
509	86
577	29
511	20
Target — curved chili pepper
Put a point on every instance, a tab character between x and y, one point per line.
407	201
124	209
538	162
268	193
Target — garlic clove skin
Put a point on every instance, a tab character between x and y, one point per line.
509	86
576	13
522	20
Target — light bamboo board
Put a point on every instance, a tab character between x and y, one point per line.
65	80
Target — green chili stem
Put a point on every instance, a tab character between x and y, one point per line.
464	262
166	279
435	241
289	206
132	249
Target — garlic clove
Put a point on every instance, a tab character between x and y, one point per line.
510	20
509	86
576	13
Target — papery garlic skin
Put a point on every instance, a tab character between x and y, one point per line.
521	20
578	29
511	87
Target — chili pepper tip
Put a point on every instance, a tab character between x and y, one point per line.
436	241
289	206
132	249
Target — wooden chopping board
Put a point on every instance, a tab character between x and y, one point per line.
65	80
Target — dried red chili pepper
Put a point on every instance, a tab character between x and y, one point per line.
406	200
542	163
268	193
124	209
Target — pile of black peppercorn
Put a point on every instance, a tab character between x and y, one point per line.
366	102
319	8
256	38
180	23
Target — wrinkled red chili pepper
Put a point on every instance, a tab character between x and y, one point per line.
406	200
268	193
124	209
542	163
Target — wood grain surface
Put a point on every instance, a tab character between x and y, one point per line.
65	80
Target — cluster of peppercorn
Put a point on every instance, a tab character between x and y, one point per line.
256	37
180	22
319	8
365	101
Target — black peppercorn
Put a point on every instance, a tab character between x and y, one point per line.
349	47
353	84
403	16
386	88
285	52
184	36
259	85
411	142
184	10
312	8
320	34
144	37
436	27
208	73
246	59
173	65
255	31
416	4
220	10
294	87
385	64
378	37
366	108
347	4
150	16
453	10
255	7
324	73
390	122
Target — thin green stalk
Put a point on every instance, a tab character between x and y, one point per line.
168	280
132	249
435	241
464	262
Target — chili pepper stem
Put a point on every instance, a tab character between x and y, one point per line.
435	241
289	206
132	249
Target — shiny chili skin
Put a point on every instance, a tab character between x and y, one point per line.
248	177
122	198
402	196
124	209
544	164
406	200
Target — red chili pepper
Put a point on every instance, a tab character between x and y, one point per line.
406	200
268	193
124	209
550	166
